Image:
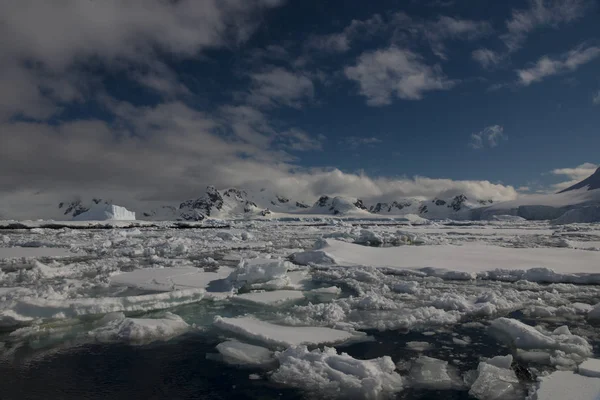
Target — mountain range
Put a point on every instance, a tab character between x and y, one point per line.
578	203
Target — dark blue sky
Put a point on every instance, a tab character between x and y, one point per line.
466	90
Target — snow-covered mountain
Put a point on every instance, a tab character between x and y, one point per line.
580	201
236	203
76	207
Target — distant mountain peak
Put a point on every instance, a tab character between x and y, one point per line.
592	182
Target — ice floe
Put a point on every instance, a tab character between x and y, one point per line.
567	385
280	335
117	327
244	354
329	374
468	261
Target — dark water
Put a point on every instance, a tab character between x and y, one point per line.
179	369
174	370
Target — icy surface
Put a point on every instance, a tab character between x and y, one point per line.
528	338
276	297
333	375
463	262
495	383
568	385
167	279
443	290
238	353
120	328
590	367
278	335
431	373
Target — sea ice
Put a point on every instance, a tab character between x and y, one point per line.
328	374
467	261
28	309
495	383
280	335
434	374
526	337
120	328
238	353
274	298
567	385
259	270
168	279
590	367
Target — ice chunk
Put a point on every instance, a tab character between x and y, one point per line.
370	238
494	383
328	374
105	212
238	353
419	346
590	367
142	330
258	270
280	335
167	279
29	309
434	374
273	298
501	361
567	385
528	338
594	313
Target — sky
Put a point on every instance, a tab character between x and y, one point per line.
153	100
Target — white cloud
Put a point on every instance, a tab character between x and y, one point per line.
574	175
297	140
436	32
390	72
596	98
355	142
541	13
446	28
487	58
279	86
50	42
567	62
341	41
488	137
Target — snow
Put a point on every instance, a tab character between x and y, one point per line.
280	335
238	353
464	262
590	367
121	328
567	385
106	212
168	279
326	373
274	298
